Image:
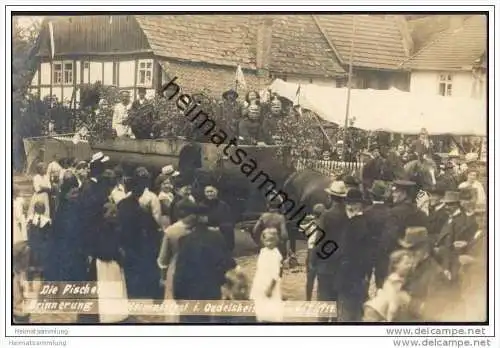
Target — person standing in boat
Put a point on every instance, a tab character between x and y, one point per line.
120	115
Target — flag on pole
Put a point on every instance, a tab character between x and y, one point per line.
240	78
52	48
296	103
297	96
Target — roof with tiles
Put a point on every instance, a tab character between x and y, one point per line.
457	48
299	47
216	39
378	41
299	44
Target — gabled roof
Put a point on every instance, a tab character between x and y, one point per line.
456	48
301	44
378	42
299	47
216	39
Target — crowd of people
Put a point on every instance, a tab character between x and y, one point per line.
157	239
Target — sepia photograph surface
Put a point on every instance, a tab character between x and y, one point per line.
249	168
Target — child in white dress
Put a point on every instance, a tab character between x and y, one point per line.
266	286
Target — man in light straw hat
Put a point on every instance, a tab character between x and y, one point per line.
168	172
331	222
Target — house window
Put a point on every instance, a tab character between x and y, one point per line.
445	85
57	79
145	72
68	73
63	73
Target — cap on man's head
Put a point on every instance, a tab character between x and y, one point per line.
124	92
378	189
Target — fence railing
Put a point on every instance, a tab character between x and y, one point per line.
330	168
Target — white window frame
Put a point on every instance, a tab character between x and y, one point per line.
445	80
145	69
57	73
59	76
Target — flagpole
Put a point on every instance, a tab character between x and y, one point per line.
349	87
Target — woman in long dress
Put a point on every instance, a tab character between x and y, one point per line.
67	258
42	188
109	259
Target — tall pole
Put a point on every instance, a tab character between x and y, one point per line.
349	87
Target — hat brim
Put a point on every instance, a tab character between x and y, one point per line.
405	244
332	193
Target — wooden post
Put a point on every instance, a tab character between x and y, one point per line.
349	87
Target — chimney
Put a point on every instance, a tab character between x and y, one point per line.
405	31
264	41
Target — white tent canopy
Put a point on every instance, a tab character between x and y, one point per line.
390	110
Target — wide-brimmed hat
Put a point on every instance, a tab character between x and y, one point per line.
453	154
414	236
354	196
471	157
99	157
169	170
229	93
451	197
378	189
337	188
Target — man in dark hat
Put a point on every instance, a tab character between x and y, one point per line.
230	112
377	215
202	263
458	232
404	213
356	262
425	283
438	215
372	170
250	129
141	92
448	177
351	182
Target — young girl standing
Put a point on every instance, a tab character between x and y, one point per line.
266	286
391	299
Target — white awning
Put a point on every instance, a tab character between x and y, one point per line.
391	110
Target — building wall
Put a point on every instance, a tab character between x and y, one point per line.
111	71
463	84
194	78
